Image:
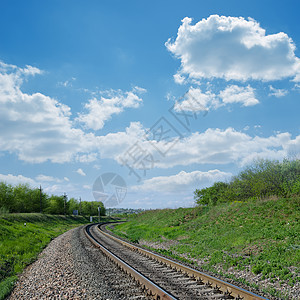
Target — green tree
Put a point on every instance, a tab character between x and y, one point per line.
73	204
291	176
211	195
6	196
56	205
21	194
263	178
90	208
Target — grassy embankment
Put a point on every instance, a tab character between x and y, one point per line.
260	236
20	244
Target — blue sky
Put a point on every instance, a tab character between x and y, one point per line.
169	95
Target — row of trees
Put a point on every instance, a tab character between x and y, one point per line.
262	179
24	199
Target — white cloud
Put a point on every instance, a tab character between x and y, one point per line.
277	92
238	94
39	128
296	87
169	96
195	100
179	78
216	146
45	178
61	189
233	48
80	172
97	114
138	89
213	146
87	158
15	180
116	143
100	111
293	148
36	127
18	72
67	83
66	179
182	181
29	70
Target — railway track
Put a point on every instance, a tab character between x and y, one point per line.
160	277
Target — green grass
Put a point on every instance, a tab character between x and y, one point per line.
261	234
20	244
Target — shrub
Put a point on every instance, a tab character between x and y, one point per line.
263	178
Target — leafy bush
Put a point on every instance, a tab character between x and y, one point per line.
264	178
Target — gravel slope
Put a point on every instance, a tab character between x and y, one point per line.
72	268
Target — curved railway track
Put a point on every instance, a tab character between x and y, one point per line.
160	277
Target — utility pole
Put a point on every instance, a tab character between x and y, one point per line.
41	205
80	206
99	212
65	202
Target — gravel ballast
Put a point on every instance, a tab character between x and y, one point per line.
72	268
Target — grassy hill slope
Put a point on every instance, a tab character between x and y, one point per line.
256	242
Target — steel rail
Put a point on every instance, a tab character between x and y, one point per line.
152	289
226	287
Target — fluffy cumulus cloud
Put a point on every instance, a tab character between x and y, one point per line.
216	146
238	94
213	146
195	100
233	48
35	126
100	110
115	144
39	128
182	181
17	179
48	183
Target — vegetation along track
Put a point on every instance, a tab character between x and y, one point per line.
163	278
